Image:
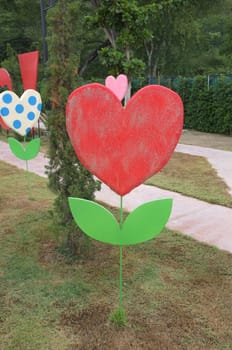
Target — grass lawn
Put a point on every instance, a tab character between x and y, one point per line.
177	292
192	176
203	139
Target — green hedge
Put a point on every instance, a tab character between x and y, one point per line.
207	108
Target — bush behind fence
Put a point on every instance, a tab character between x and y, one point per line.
207	101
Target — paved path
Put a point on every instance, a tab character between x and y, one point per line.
205	222
220	160
36	165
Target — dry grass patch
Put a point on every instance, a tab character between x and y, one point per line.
192	176
14	199
203	139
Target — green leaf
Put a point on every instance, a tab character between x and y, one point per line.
16	148
96	221
146	221
32	149
28	153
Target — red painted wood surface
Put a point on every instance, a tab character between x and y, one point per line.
5	80
3	125
28	63
124	146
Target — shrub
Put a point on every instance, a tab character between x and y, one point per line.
207	108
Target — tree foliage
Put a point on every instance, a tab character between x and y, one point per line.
20	24
67	177
142	38
125	26
10	63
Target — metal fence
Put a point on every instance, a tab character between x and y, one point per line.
211	80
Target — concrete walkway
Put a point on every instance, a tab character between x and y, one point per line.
203	221
220	160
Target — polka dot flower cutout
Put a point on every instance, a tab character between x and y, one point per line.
20	114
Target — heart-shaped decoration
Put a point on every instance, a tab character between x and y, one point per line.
124	146
3	125
5	79
117	85
20	114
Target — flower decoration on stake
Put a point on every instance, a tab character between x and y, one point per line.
21	114
123	146
117	85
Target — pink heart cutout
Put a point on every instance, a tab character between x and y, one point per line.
117	85
124	146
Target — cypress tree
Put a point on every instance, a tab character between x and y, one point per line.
67	177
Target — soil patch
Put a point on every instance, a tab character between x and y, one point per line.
94	331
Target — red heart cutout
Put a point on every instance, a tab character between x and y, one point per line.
124	146
3	125
5	79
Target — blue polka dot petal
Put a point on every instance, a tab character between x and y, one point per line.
4	112
17	124
28	130
39	107
7	98
19	108
32	100
31	116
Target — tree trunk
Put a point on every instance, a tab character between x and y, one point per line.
149	52
128	94
92	57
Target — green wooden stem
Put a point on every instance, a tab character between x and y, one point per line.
28	175
120	257
120	278
28	180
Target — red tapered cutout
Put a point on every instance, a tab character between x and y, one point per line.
28	63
